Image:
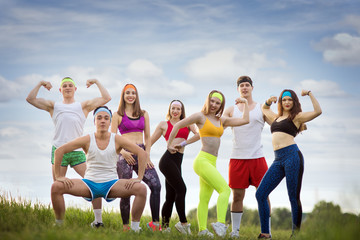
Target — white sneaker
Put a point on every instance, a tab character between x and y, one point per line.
206	233
184	229
234	234
219	228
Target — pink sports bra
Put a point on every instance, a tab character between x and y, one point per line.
129	125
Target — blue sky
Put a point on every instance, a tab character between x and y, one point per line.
183	50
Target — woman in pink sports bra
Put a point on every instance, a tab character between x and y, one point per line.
133	124
170	166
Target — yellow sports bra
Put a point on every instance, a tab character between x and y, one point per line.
210	130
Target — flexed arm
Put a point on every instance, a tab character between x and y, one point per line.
308	116
41	103
230	121
90	105
270	116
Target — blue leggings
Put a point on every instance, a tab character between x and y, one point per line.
150	178
288	163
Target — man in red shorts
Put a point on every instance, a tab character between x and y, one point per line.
247	163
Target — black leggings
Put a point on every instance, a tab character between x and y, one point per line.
150	178
170	166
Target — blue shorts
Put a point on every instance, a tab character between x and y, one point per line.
99	189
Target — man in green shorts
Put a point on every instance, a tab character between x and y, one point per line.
69	118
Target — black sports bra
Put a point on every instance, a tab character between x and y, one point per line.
285	126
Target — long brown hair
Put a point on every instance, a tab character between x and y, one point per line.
138	112
205	109
294	110
182	115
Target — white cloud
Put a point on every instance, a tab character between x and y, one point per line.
9	90
226	64
323	88
341	49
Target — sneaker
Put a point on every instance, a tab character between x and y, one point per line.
219	228
234	234
184	229
262	236
96	224
153	227
126	228
166	230
206	233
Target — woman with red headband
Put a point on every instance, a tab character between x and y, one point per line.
133	123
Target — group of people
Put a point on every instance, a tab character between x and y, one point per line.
111	158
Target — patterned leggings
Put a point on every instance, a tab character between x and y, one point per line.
289	163
151	179
170	166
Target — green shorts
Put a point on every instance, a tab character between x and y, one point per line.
72	158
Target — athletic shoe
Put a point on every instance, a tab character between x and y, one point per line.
184	229
219	228
206	233
234	234
166	230
96	224
153	227
262	236
126	228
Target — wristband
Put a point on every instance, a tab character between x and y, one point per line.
267	104
183	143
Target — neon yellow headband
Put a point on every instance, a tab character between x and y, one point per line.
67	79
217	95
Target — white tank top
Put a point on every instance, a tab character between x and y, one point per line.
247	138
101	164
69	121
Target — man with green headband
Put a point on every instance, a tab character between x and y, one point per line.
69	118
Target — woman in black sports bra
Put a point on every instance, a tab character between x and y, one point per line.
289	162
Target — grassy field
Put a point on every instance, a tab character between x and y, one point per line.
21	219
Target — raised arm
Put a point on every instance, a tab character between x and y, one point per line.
41	103
270	116
304	117
115	122
90	105
230	121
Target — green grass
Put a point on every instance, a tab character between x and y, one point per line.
21	219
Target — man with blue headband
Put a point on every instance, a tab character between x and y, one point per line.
69	118
101	180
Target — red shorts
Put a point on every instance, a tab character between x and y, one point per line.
246	172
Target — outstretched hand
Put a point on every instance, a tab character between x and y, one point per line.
90	82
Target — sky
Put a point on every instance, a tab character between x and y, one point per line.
183	50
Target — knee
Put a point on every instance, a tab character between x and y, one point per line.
57	188
226	191
260	196
238	197
156	188
141	190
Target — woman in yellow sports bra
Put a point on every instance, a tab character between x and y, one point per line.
211	126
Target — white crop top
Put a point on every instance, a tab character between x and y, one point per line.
247	138
101	164
69	121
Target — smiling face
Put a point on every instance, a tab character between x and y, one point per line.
68	89
287	103
130	96
175	111
214	105
245	89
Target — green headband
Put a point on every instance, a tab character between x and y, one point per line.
217	95
67	79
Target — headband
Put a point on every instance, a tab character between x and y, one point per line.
176	103
129	86
102	109
217	95
286	93
67	79
245	80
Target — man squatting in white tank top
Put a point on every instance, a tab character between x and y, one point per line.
247	162
102	150
69	118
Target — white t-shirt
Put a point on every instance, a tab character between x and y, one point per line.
247	138
101	164
69	121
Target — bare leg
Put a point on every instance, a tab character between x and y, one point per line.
238	198
58	190
138	190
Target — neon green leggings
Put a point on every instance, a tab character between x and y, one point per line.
210	179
